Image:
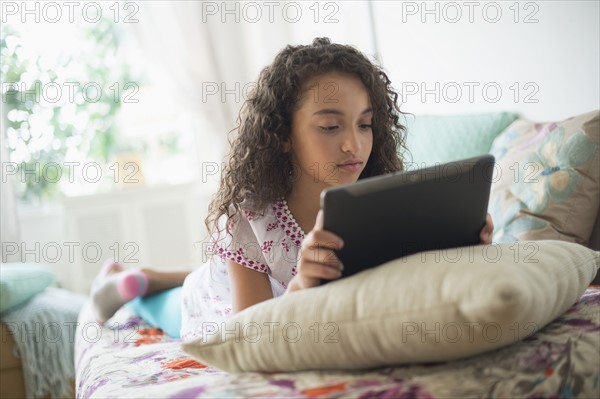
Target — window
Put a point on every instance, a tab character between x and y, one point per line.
83	113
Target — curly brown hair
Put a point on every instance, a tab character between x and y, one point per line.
258	172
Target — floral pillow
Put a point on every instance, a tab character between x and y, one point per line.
546	182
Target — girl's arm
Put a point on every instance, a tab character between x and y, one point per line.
248	287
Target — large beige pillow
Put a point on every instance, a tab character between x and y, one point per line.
428	307
547	181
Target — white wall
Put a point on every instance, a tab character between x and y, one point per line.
554	60
543	55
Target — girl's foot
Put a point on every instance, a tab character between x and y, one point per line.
113	287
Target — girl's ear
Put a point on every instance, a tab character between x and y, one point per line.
286	146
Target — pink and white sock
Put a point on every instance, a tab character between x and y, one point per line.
113	287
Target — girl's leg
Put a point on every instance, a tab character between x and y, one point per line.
113	287
160	281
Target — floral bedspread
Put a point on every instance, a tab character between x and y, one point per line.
127	358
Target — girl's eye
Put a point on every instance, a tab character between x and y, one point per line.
328	128
364	126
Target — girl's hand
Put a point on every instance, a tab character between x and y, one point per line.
317	259
486	233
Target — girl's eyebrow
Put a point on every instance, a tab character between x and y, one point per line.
326	111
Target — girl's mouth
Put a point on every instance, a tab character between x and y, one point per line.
350	166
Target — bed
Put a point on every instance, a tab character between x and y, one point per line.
129	358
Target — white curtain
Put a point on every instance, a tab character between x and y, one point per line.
204	61
216	45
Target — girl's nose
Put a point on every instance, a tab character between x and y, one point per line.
351	141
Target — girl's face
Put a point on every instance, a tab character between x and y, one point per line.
331	137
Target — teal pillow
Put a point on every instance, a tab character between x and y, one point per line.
21	281
437	139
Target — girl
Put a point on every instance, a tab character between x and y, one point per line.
319	116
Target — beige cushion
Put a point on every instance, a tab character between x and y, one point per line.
547	180
427	307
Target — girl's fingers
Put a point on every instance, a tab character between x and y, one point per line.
317	257
484	236
321	271
487	231
320	255
319	261
489	223
319	221
322	239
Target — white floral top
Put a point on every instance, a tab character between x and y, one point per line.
269	244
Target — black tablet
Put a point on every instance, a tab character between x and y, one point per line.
386	217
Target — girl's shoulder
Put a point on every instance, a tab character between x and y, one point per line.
273	223
264	216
